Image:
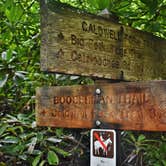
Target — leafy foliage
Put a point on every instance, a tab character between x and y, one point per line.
141	14
144	150
21	142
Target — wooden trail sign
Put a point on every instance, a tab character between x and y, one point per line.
129	106
77	43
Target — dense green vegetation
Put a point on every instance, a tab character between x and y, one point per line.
21	142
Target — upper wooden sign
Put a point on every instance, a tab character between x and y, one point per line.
73	42
130	106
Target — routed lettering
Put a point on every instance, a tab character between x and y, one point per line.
129	98
70	114
101	31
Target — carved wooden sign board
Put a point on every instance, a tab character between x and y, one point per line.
74	42
129	106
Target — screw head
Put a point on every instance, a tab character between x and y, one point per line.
98	123
98	91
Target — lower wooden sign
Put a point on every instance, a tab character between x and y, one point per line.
129	106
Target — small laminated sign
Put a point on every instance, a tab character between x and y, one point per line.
103	147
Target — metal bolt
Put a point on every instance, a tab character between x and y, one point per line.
98	91
98	123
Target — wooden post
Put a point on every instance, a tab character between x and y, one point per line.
106	14
106	126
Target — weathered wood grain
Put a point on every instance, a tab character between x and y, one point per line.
129	106
84	44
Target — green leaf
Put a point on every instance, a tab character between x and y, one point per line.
23	118
163	148
104	4
156	27
19	148
2	164
141	138
23	157
54	140
42	163
132	137
93	3
11	140
164	162
4	55
145	1
60	151
124	4
3	128
8	55
26	136
40	136
36	160
100	4
15	129
59	132
8	3
151	4
32	145
13	11
20	74
11	119
3	80
52	158
36	152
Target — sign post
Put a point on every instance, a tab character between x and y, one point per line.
84	44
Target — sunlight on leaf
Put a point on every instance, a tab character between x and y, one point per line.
52	158
36	160
3	80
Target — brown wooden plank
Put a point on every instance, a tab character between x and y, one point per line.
129	106
84	44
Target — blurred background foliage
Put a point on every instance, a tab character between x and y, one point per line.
21	142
